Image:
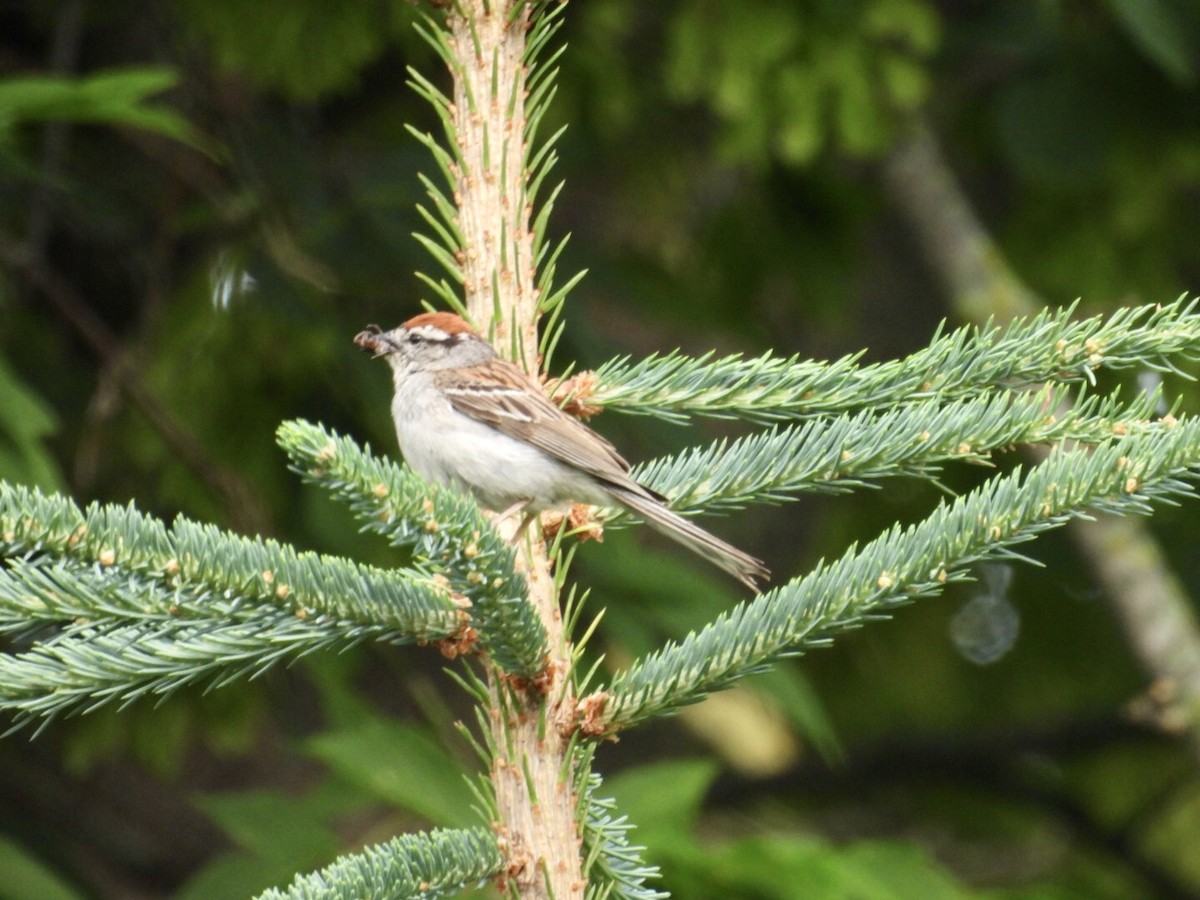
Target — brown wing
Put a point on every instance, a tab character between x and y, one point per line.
509	401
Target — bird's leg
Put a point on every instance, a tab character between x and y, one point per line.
526	521
509	510
507	513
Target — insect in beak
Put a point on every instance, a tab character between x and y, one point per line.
375	340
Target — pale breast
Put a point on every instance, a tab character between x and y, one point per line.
444	446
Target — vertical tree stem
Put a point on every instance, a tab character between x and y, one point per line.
489	115
531	774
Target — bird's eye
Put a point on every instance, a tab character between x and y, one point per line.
414	338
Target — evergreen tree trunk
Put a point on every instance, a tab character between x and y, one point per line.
531	774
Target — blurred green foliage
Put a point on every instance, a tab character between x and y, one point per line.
787	78
303	50
116	97
26	421
721	168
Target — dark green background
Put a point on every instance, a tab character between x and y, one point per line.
723	188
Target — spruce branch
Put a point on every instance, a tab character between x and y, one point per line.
102	635
1122	476
1045	347
205	559
109	605
445	529
614	866
428	864
40	590
914	439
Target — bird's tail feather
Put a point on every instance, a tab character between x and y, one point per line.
742	566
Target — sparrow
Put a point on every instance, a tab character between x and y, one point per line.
468	418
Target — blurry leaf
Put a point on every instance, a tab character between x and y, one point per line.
911	22
788	865
860	125
790	689
161	736
113	97
1175	833
779	77
1158	31
303	48
665	795
715	51
907	81
242	875
24	877
271	823
800	131
401	765
889	870
609	25
157	736
280	834
25	421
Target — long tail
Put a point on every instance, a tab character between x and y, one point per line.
742	566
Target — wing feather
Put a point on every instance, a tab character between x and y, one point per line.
516	406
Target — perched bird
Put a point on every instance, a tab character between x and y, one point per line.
466	417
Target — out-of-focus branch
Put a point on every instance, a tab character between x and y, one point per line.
68	32
976	275
1153	607
241	502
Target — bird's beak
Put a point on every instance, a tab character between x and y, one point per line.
378	342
